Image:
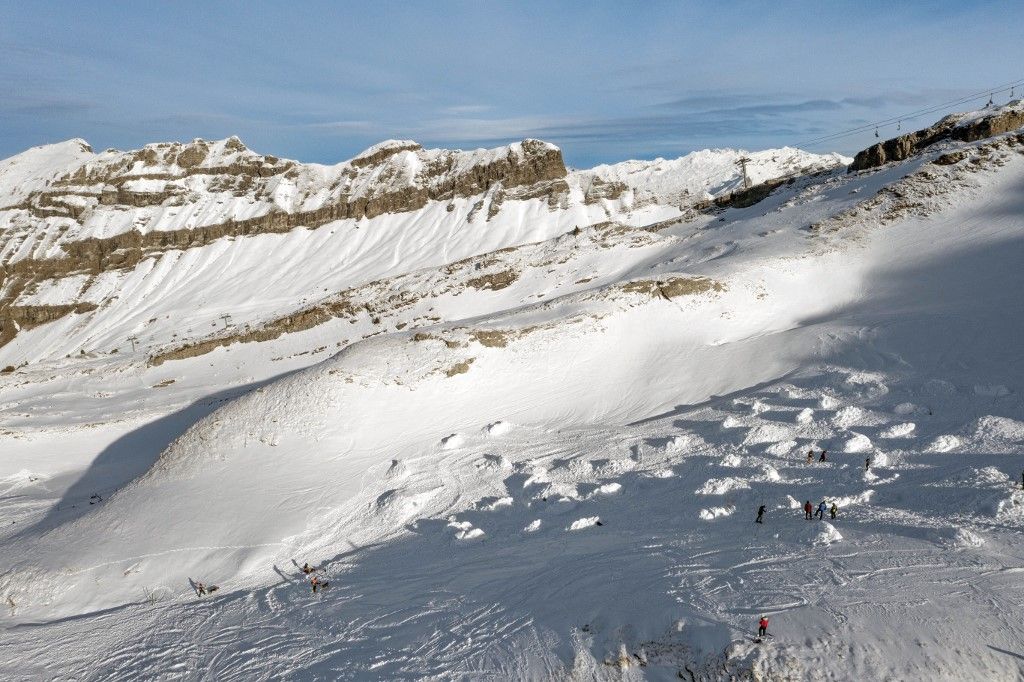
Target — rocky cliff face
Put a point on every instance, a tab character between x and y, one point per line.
963	127
111	210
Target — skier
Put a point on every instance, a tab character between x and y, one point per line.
200	590
810	456
762	626
867	464
760	514
822	458
315	582
821	511
834	510
807	510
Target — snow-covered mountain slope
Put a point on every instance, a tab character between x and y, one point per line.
121	245
543	461
701	175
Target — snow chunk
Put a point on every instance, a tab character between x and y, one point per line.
771	473
714	512
732	422
532	527
805	416
827	535
956	538
904	430
464	530
683	441
945	443
848	416
858	443
585	522
827	402
495	503
397	470
781	448
731	460
607	489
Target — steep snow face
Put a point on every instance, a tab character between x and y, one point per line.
705	174
35	169
654	385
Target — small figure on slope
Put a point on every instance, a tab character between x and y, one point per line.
760	514
810	456
762	626
822	458
834	510
307	569
200	589
821	511
315	583
867	464
807	510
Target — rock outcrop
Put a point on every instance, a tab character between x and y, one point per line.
963	127
115	208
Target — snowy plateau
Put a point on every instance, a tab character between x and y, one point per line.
520	417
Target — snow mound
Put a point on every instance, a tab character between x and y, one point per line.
946	443
782	448
498	428
731	460
456	440
682	442
805	416
827	534
770	473
768	432
857	443
712	513
607	489
847	416
999	428
533	526
585	522
904	430
904	409
957	538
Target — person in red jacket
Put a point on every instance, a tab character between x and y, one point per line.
762	628
808	509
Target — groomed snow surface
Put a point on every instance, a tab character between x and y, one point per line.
577	503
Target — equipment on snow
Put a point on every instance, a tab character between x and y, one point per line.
760	514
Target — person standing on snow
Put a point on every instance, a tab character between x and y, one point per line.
821	511
762	626
810	456
834	510
807	510
867	464
760	514
822	458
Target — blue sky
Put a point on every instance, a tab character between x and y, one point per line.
320	81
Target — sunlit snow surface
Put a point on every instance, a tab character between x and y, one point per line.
579	502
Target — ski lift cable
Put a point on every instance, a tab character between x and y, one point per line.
920	112
1008	87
